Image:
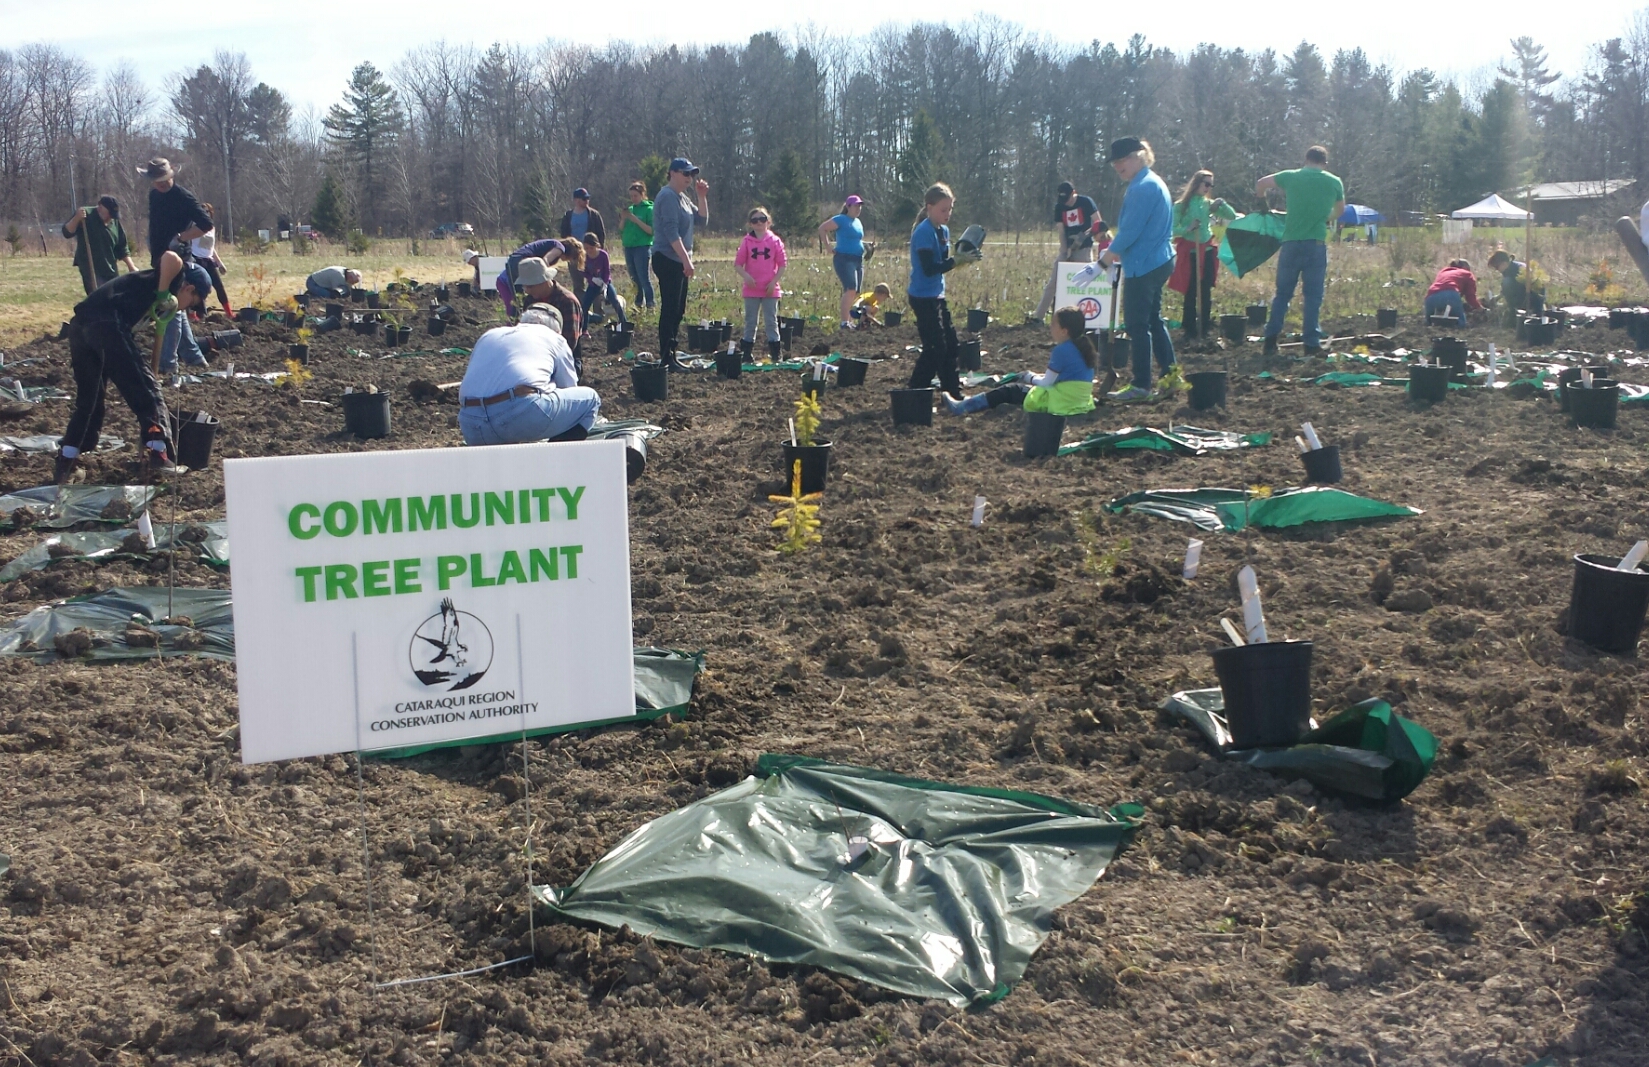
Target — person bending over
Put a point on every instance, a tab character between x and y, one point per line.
332	283
867	307
1454	292
1065	388
521	385
539	283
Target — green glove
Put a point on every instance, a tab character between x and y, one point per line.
165	307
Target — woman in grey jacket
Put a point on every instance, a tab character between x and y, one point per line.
674	217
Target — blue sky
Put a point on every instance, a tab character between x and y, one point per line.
310	58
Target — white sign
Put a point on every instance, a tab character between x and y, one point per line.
1094	297
488	268
388	599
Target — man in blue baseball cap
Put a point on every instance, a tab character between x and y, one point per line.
579	220
674	217
102	350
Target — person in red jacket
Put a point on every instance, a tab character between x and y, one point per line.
1454	292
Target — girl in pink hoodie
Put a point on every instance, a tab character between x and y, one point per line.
760	262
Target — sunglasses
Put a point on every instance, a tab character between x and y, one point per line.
758	218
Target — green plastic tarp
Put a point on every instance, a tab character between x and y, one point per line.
211	538
1186	440
605	428
1367	750
1235	509
924	888
1250	240
48	442
58	506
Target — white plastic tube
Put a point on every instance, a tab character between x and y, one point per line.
1630	561
978	519
1311	437
1193	556
1253	616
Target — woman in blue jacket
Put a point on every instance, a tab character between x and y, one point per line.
1144	245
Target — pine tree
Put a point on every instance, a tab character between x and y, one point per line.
330	214
655	171
918	168
790	195
365	126
538	207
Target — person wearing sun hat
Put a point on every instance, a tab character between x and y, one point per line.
537	280
848	233
674	217
1144	245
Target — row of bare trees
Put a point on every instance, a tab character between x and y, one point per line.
499	136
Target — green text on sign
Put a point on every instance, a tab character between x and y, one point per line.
383	577
511	507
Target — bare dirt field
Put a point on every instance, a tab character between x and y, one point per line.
168	905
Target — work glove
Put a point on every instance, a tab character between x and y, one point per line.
165	307
971	255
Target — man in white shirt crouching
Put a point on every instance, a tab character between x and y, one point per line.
521	385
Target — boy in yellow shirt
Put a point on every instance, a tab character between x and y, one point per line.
866	308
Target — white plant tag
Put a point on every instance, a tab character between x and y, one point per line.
1630	561
978	519
1193	556
146	529
1311	437
1231	632
1253	617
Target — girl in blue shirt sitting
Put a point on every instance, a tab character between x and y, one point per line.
930	261
1066	388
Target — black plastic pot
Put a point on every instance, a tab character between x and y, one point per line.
1207	389
1385	318
1606	606
978	319
812	386
797	324
1570	376
299	353
1540	331
366	414
294	319
912	407
724	332
373	300
1640	330
651	381
968	355
851	371
334	311
435	325
1452	353
442	294
1257	314
892	318
1427	382
729	364
403	336
972	239
1043	432
815	465
357	295
1322	465
390	333
246	315
635	455
225	339
1595	407
1113	351
465	289
1267	689
1234	328
194	441
619	339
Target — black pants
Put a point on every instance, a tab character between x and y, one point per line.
90	281
672	300
211	269
103	352
1201	285
938	336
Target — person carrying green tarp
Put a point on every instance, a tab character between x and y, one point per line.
1250	240
1067	388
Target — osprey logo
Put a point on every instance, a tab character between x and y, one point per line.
451	649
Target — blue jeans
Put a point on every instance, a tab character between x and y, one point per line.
1147	333
315	288
1297	260
521	419
597	291
180	339
635	258
850	271
1446	301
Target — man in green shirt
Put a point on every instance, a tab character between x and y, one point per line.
637	237
99	243
1315	198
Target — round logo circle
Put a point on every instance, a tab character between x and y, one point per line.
1089	307
451	649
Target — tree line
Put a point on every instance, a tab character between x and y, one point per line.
498	137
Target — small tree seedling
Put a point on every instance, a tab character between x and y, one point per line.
799	518
807	419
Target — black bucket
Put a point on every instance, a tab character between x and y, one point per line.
1385	318
1571	375
912	407
797	324
651	381
1540	331
1207	389
852	371
812	386
1322	465
246	315
1427	382
357	295
1234	328
465	289
635	455
1113	349
334	311
1043	432
1595	407
222	339
972	239
729	364
619	340
300	353
815	465
724	332
436	325
442	293
1606	606
373	300
1621	318
1640	330
1257	314
892	318
978	319
1451	352
366	414
968	355
695	339
403	336
1267	689
192	436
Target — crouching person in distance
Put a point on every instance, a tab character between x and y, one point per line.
521	385
331	283
102	350
1066	388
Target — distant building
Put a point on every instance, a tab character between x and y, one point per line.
1564	203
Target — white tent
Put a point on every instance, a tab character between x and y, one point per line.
1492	207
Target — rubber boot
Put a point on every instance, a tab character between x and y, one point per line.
775	350
745	348
671	361
66	471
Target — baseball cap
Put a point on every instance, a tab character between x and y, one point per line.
196	278
850	201
533	271
581	194
1066	188
1124	147
109	204
684	165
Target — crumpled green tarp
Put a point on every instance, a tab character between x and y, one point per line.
1252	239
1347	378
58	506
46	442
928	889
1186	440
1234	509
108	544
1367	750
